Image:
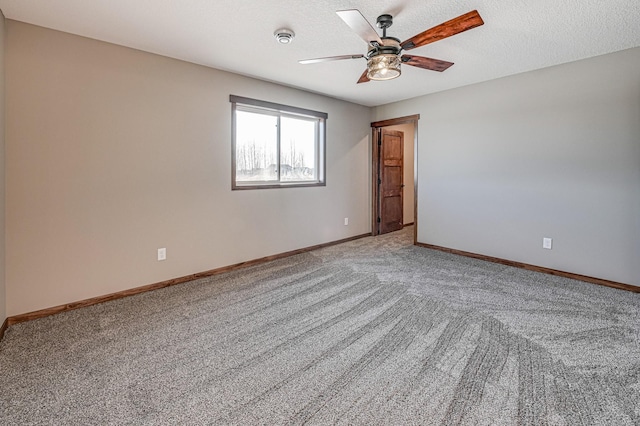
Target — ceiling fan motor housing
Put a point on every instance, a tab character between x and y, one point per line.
391	45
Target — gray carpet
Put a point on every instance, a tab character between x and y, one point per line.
375	331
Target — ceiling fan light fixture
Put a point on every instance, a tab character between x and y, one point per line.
284	36
385	66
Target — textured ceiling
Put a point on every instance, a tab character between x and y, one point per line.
237	36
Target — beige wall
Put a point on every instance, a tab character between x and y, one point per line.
408	194
113	153
3	304
549	153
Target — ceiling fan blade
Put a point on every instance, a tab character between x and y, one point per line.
447	29
330	58
354	19
363	78
426	63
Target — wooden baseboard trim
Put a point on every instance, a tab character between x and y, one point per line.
143	289
592	280
5	324
407	224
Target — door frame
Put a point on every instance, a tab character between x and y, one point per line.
376	130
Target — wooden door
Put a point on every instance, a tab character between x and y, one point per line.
390	183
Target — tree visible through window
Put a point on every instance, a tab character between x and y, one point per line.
276	145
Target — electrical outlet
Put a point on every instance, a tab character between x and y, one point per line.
547	243
162	254
346	221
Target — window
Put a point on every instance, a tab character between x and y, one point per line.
275	146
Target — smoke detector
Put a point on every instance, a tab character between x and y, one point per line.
284	36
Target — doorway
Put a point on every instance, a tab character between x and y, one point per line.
393	174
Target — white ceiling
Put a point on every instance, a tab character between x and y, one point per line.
237	36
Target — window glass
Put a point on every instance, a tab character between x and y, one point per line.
256	147
297	149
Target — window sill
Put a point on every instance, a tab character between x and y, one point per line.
276	185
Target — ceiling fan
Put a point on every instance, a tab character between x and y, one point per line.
384	54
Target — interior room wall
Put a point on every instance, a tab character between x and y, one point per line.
113	153
408	178
550	153
3	300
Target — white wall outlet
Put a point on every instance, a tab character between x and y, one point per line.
162	253
547	243
346	221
